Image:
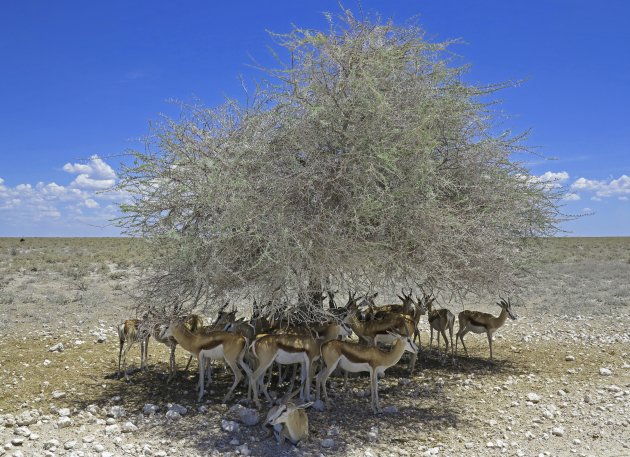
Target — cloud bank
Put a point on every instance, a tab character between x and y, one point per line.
84	206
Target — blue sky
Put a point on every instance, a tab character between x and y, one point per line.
81	81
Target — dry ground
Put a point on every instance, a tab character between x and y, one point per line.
74	291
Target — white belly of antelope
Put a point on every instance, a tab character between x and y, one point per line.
476	328
286	358
352	366
213	354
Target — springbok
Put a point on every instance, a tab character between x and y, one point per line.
217	345
355	357
129	332
478	322
284	349
440	320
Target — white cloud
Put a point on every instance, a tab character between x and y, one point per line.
550	179
95	168
605	188
91	203
551	176
83	181
571	197
75	207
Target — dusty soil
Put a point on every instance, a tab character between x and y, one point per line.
559	385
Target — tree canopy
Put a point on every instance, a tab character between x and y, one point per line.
363	160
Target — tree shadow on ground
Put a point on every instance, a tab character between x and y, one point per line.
422	404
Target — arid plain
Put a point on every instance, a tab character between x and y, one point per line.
559	385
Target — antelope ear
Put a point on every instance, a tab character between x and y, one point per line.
401	299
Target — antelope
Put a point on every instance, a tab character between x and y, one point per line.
478	322
216	345
289	421
440	320
380	330
284	349
128	334
355	357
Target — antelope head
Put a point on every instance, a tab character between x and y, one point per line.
289	421
507	306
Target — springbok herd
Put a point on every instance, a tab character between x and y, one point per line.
254	345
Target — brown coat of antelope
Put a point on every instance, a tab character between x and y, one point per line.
478	322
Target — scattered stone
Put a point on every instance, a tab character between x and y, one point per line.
179	409
469	445
150	409
56	394
533	397
110	421
112	429
129	427
64	412
68	445
173	415
56	348
117	412
605	371
51	444
88	439
390	409
229	426
328	442
64	422
99	447
569	358
18	441
373	434
22	431
244	450
557	431
27	418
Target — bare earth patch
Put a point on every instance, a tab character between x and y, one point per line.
560	383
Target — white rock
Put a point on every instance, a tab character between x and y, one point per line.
58	394
605	371
52	443
557	431
244	450
27	418
33	436
569	358
469	445
22	431
328	442
129	427
117	412
99	447
69	445
533	397
64	422
173	415
181	410
112	429
64	412
56	348
319	405
229	426
373	434
18	441
88	439
149	409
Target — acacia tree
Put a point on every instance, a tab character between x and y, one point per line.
363	160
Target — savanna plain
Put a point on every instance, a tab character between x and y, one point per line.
559	383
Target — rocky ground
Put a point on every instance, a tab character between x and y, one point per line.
559	385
